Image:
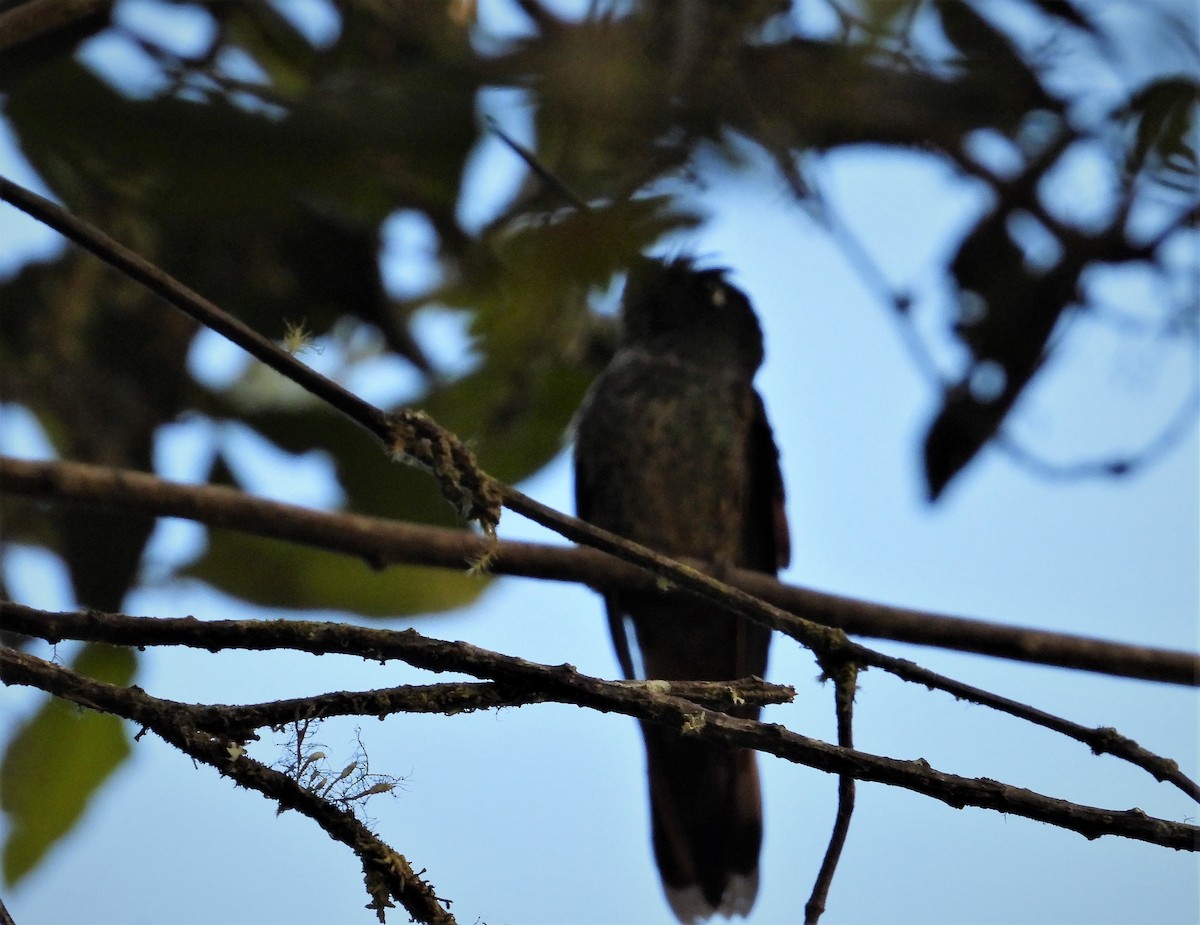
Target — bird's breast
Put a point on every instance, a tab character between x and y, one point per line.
661	455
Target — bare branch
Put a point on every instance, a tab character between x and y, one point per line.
406	435
382	542
1168	438
455	698
845	678
565	682
412	435
387	873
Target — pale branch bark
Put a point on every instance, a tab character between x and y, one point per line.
387	873
565	682
235	720
382	542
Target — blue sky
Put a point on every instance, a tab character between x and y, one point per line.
539	814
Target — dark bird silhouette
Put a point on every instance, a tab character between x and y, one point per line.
673	450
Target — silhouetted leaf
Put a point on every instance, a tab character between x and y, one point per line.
1008	312
990	53
100	361
274	574
1163	114
57	761
1067	11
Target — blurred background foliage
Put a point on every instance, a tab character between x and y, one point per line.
265	166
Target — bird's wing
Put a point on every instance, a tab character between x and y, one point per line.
616	613
767	541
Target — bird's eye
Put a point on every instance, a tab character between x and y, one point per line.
718	296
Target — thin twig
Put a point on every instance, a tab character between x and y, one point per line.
547	176
856	254
1101	740
454	698
406	435
1168	438
845	678
201	309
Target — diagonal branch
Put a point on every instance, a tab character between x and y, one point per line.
387	873
407	435
644	703
412	435
382	541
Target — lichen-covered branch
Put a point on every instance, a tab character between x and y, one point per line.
566	683
387	873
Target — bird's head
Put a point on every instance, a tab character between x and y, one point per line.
677	308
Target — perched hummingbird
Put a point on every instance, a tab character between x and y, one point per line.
673	450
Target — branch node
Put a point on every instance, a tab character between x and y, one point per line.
415	438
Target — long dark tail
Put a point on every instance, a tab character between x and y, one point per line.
707	814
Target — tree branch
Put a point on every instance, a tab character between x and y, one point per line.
387	873
455	698
381	542
644	703
845	678
413	436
